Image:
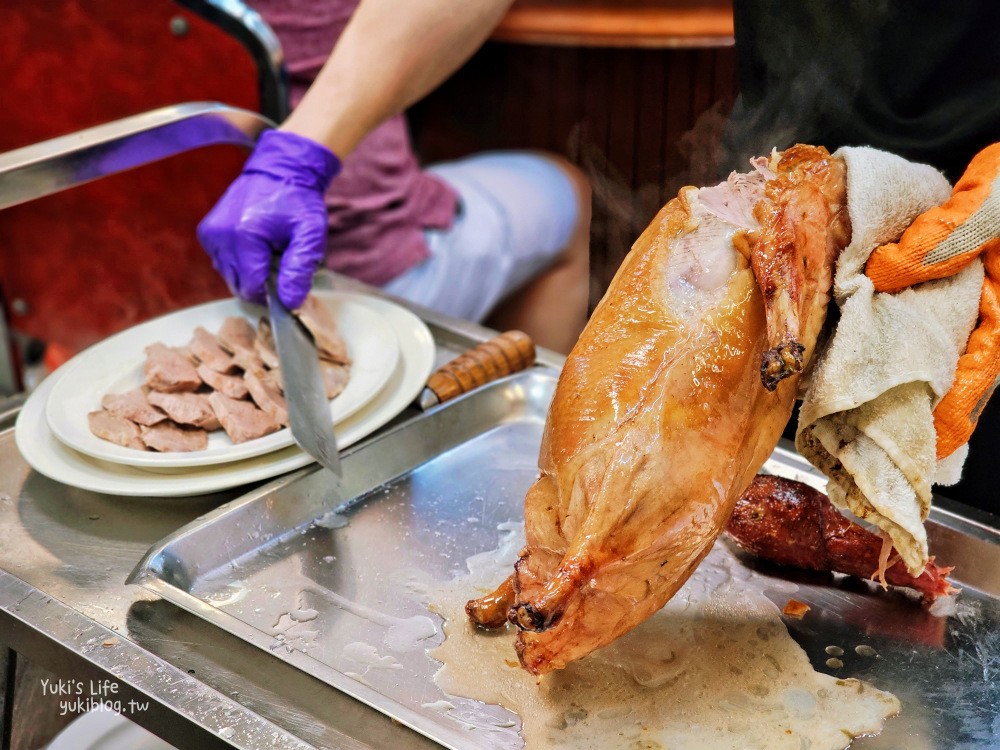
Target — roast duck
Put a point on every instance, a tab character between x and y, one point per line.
672	399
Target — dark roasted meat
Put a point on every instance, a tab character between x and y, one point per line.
790	523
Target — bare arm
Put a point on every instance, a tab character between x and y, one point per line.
392	53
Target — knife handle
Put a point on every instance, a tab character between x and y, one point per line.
501	355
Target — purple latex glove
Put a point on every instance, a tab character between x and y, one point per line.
275	207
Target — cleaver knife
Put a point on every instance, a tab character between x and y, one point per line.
308	407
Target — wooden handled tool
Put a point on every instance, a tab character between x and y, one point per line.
509	352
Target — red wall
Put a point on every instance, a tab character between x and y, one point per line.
93	260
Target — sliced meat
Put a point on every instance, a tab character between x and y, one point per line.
248	359
206	348
168	437
187	408
185	351
318	319
133	406
273	378
264	344
115	429
236	334
266	394
241	420
232	385
169	370
335	377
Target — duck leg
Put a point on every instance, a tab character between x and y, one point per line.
490	612
793	243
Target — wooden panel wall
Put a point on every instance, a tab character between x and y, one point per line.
641	122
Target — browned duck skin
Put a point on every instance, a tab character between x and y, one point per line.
659	420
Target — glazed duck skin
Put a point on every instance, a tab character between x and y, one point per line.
660	418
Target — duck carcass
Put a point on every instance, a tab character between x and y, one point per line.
673	397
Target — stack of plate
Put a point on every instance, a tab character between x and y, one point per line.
392	355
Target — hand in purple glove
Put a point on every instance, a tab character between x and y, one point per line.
275	207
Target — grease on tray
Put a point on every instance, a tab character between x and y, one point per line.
714	669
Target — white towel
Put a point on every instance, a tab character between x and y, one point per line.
866	417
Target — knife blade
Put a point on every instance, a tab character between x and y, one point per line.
308	407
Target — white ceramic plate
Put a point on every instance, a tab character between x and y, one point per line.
105	730
48	456
115	365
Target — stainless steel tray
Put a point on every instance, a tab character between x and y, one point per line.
321	590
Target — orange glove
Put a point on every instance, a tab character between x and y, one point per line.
939	243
